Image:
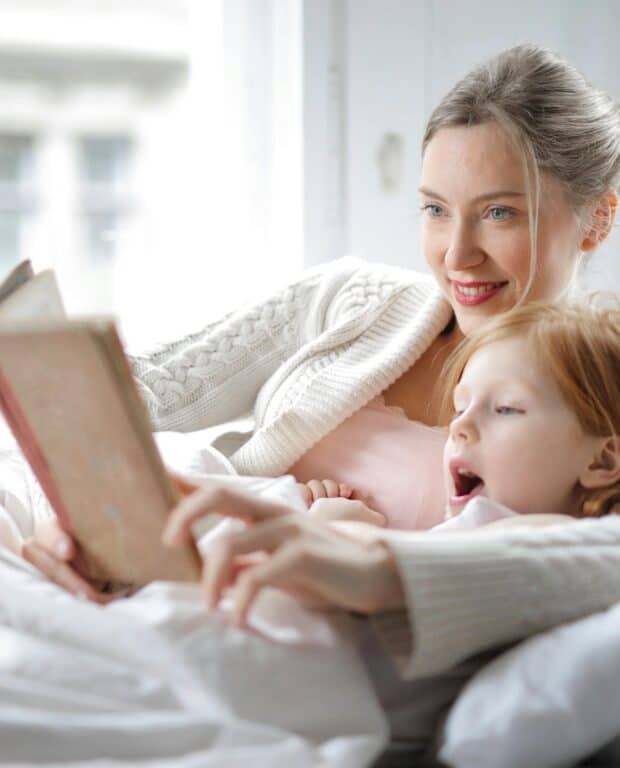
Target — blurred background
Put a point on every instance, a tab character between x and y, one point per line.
173	159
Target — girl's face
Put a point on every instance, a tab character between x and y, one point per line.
514	439
475	232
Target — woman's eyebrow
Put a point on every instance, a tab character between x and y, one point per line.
487	195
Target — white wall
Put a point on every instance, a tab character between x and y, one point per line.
402	56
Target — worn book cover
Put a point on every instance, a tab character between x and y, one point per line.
68	395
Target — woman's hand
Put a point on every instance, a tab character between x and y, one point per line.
54	553
306	557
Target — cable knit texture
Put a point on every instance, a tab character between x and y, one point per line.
302	360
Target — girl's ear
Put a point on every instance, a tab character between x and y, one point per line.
602	221
604	469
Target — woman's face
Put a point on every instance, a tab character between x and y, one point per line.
475	232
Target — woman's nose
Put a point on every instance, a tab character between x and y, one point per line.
463	251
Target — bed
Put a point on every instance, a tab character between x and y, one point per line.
153	681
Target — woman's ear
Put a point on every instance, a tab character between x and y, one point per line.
604	469
601	222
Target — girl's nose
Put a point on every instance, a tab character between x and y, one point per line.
463	251
463	428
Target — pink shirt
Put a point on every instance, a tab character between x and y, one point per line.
393	461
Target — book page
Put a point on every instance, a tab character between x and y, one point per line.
37	297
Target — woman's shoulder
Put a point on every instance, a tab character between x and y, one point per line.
350	287
375	271
355	279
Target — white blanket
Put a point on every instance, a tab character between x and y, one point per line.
153	680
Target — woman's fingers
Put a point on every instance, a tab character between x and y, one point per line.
58	543
215	498
61	572
222	558
184	485
284	570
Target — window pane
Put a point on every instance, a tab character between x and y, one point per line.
101	236
15	160
104	164
16	196
104	174
10	241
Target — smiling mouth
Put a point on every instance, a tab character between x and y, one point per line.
471	294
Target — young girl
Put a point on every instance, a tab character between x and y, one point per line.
535	424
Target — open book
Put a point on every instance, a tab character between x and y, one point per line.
68	395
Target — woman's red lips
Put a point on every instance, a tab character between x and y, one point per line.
475	292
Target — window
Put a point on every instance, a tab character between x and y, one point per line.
104	177
17	199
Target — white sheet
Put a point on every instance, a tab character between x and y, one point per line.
152	680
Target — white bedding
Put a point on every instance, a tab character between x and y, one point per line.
152	680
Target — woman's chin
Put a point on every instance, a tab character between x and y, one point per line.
471	319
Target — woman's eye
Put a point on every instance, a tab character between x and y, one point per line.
507	410
434	211
497	213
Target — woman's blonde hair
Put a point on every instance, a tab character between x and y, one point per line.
559	123
579	347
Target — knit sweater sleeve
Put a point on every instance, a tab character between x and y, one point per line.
214	375
467	592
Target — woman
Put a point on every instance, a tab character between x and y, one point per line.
521	161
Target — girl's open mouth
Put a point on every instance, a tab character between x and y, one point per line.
466	485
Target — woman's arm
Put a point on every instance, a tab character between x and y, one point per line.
468	593
463	594
213	376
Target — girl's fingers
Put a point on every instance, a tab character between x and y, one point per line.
345	491
306	494
213	498
317	489
61	573
346	510
332	489
222	558
364	514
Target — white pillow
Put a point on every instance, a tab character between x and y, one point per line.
549	701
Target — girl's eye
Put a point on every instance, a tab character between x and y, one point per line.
434	211
507	410
497	213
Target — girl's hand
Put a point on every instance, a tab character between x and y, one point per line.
314	490
336	510
53	552
306	557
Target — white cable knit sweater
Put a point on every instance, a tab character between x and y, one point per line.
291	368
